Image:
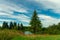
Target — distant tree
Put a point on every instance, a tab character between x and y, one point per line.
53	29
14	25
58	26
5	25
35	22
22	28
11	25
19	28
43	31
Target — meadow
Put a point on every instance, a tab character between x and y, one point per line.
7	34
40	37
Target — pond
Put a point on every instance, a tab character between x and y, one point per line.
27	32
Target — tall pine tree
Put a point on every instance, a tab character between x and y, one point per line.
35	22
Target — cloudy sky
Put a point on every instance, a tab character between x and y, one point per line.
22	10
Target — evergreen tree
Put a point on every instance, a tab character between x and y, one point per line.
22	26
5	25
15	25
58	26
19	28
35	22
11	25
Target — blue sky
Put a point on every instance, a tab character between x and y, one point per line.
22	10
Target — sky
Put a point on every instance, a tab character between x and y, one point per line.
21	11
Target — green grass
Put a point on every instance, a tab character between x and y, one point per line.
52	37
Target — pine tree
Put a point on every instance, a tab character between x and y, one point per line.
15	25
22	28
11	25
35	22
19	28
5	25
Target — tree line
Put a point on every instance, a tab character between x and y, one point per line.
36	26
12	25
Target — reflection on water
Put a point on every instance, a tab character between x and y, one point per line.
27	32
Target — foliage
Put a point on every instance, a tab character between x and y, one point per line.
54	29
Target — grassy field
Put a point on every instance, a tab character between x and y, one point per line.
17	35
39	37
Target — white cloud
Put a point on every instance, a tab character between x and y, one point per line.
50	4
1	13
7	8
10	9
1	20
48	20
21	17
